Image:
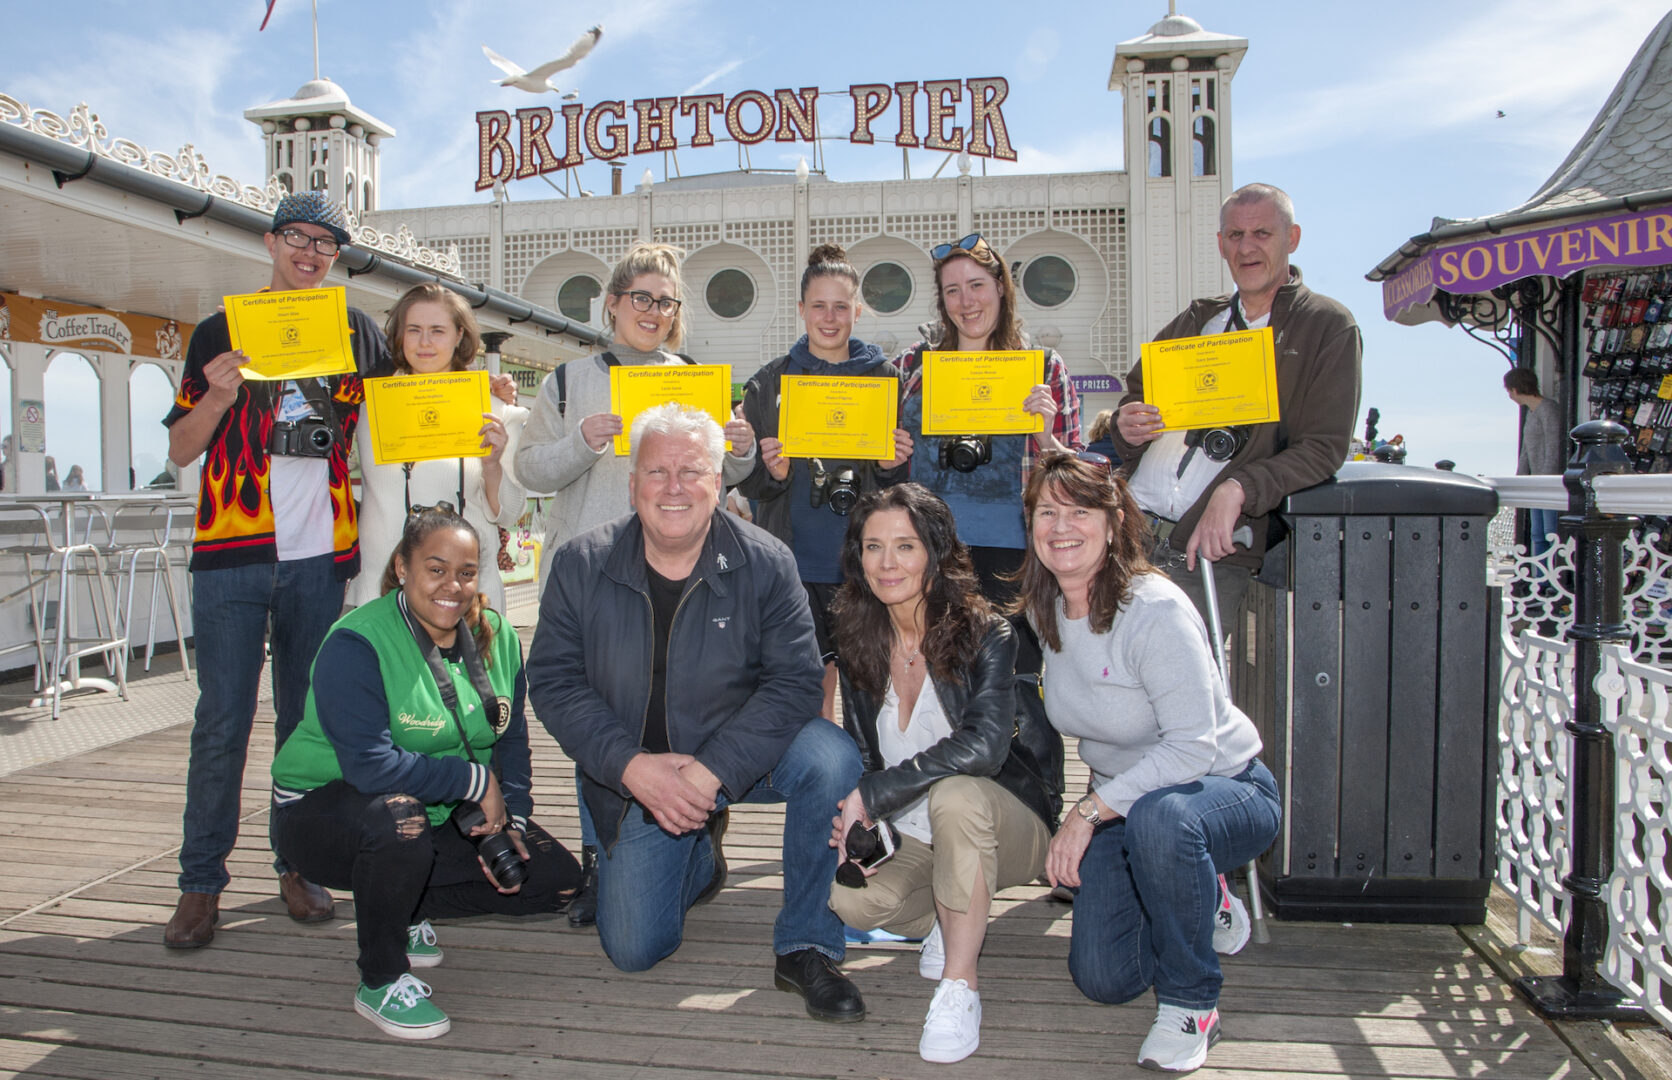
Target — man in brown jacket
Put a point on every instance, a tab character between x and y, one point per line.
1199	496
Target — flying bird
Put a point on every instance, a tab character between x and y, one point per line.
538	81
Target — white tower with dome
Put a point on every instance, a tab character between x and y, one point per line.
1177	82
316	140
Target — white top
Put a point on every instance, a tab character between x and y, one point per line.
300	491
1158	484
383	507
928	726
1145	699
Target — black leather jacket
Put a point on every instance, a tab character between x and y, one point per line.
998	730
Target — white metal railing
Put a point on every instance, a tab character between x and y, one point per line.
1535	804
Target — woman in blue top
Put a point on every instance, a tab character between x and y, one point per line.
975	297
805	501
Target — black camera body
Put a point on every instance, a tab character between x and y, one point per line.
835	488
966	453
311	437
496	849
1219	444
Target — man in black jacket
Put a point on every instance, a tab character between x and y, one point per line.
675	662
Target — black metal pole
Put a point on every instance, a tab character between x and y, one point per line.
1580	992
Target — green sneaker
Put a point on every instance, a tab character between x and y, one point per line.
402	1009
421	949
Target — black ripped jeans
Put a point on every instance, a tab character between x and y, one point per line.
401	870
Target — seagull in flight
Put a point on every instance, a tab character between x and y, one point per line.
538	81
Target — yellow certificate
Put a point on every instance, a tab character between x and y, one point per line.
1212	381
705	387
292	335
838	418
426	417
981	393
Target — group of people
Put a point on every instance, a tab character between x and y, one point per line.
686	660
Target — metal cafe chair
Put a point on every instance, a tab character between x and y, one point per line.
73	561
25	553
157	529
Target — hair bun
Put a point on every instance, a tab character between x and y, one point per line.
827	253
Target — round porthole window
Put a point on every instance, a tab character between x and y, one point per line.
730	294
1048	281
886	288
575	296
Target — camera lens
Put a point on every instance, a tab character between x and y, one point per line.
1219	444
504	863
320	438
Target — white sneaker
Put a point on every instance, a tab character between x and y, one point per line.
931	955
1230	922
952	1030
421	949
1178	1041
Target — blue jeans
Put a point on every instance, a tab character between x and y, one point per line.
231	610
1143	914
1541	523
649	879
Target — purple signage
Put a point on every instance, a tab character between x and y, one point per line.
1095	384
1643	238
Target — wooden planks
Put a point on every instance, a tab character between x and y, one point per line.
87	991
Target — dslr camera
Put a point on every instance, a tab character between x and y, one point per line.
966	453
835	488
496	849
311	437
1219	444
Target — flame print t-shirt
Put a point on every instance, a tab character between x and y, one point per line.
235	524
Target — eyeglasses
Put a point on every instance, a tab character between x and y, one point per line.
643	301
1091	457
296	238
968	243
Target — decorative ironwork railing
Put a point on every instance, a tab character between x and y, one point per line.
83	129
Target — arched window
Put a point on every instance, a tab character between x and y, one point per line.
150	394
289	184
1160	148
353	195
316	181
1201	148
366	203
74	420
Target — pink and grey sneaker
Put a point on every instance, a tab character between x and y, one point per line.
1179	1039
1230	922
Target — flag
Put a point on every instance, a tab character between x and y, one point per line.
269	15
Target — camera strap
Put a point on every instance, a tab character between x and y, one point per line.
1234	322
474	668
314	392
406	470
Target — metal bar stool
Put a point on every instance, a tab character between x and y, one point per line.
25	535
163	526
82	560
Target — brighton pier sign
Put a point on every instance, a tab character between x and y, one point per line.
515	147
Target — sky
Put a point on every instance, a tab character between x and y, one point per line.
1375	117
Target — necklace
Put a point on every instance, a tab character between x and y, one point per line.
915	653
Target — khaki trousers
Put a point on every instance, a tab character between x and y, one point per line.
976	825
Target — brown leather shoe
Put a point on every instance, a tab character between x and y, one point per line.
307	902
193	924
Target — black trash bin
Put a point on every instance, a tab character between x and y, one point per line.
1367	655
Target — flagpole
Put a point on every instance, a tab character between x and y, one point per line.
316	39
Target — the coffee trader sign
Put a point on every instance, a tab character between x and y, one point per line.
932	115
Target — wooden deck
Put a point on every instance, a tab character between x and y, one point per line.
87	878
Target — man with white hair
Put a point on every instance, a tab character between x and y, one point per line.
675	662
1202	492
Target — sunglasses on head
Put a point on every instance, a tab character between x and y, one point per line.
968	243
441	507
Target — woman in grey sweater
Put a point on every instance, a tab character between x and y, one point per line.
1177	792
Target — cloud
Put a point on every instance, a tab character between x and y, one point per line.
1547	69
1041	48
1097	150
713	76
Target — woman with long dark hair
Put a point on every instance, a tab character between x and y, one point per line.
967	775
415	713
1178	795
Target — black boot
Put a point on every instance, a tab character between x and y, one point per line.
583	909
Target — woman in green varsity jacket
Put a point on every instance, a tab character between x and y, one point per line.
379	786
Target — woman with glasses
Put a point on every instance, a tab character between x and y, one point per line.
1177	795
408	779
967	776
802	501
431	329
567	445
975	297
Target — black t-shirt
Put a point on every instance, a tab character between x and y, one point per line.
664	600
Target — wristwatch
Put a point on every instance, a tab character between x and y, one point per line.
1087	808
